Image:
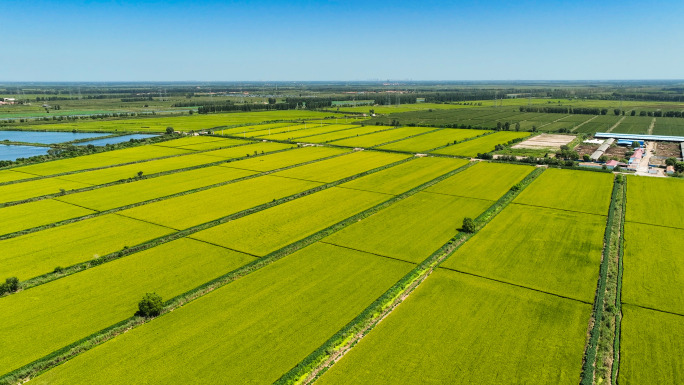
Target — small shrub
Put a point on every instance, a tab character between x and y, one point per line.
150	306
468	225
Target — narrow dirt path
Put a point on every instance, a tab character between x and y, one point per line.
616	124
650	128
583	123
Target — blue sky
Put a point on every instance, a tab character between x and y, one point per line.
44	40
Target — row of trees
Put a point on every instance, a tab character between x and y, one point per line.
565	110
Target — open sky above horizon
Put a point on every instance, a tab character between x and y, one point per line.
48	40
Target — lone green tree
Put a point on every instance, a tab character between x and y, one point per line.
169	130
468	225
10	286
150	306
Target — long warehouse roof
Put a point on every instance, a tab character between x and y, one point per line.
661	138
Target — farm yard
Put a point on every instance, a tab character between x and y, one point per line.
358	246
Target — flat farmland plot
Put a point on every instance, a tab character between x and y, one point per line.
113	174
128	193
411	229
248	150
656	201
378	138
582	191
337	135
481	145
249	130
132	154
38	213
651	347
401	178
210	145
577	118
39	253
315	130
269	230
634	125
654	267
189	141
554	251
70	164
34	188
11	176
285	159
669	126
58	313
458	329
266	134
250	331
483	181
330	170
600	123
193	209
432	140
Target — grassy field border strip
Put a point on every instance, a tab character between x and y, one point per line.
120	181
39	280
141	203
596	321
38	177
618	289
59	356
310	368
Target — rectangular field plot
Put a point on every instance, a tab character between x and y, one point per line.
458	329
133	154
654	267
269	230
266	134
313	130
554	251
401	178
113	174
250	130
218	143
481	145
128	193
51	316
190	210
103	159
251	331
600	123
411	229
190	141
483	181
432	140
344	166
285	158
337	135
651	347
582	191
39	253
669	126
382	137
634	125
11	176
248	150
38	213
656	201
34	188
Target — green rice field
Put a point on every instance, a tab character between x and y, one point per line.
458	328
484	144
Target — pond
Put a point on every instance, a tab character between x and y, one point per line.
44	137
12	152
114	140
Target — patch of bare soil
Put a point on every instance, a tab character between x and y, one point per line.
549	141
668	149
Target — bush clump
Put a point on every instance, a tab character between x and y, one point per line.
150	306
